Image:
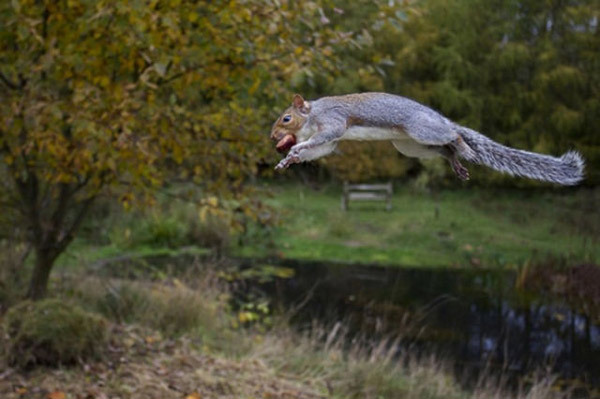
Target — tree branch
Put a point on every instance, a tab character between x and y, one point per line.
68	236
8	82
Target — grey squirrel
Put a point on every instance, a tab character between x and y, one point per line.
311	129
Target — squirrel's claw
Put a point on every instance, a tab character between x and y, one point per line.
281	165
459	169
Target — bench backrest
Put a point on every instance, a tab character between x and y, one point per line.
367	192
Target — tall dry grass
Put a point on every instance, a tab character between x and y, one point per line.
359	369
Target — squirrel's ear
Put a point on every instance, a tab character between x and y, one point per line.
298	101
300	104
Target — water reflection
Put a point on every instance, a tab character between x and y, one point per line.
475	317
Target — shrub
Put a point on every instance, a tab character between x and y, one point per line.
50	332
172	308
160	230
213	233
172	228
123	303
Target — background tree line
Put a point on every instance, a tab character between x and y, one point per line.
524	72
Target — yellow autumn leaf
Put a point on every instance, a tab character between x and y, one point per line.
212	201
56	395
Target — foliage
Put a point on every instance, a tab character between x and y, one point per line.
115	98
434	173
364	62
159	231
213	232
370	161
51	332
523	72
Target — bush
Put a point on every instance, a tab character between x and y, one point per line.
213	233
51	333
160	230
174	227
171	308
123	303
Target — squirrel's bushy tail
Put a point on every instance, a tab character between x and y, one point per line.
566	170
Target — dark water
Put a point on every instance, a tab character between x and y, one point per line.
478	319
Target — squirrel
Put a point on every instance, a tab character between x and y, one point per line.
311	130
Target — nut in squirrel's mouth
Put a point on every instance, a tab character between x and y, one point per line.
286	143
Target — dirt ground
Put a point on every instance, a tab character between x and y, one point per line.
141	364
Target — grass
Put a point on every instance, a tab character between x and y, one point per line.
464	227
84	252
453	228
207	357
379	369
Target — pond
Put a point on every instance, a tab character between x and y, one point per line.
478	319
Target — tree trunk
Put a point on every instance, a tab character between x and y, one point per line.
38	286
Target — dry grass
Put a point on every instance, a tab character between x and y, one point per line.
193	306
381	370
143	364
174	340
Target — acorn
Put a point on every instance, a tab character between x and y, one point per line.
286	143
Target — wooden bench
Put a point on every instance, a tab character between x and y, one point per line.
367	192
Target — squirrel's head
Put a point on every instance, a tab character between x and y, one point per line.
289	123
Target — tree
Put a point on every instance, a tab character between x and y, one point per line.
377	25
115	98
523	72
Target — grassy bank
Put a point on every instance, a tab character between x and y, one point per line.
178	338
463	227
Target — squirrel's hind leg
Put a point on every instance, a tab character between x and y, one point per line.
451	155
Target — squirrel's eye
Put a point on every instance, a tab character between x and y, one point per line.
287	118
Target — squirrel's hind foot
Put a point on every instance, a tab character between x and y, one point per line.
459	169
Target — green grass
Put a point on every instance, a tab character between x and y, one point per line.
82	252
464	227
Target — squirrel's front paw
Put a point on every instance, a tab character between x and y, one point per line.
287	161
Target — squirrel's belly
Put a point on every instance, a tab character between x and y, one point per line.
411	148
364	133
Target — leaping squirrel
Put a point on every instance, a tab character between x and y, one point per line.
311	129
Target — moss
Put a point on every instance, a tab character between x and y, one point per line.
51	332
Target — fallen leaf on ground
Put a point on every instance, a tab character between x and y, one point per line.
56	395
